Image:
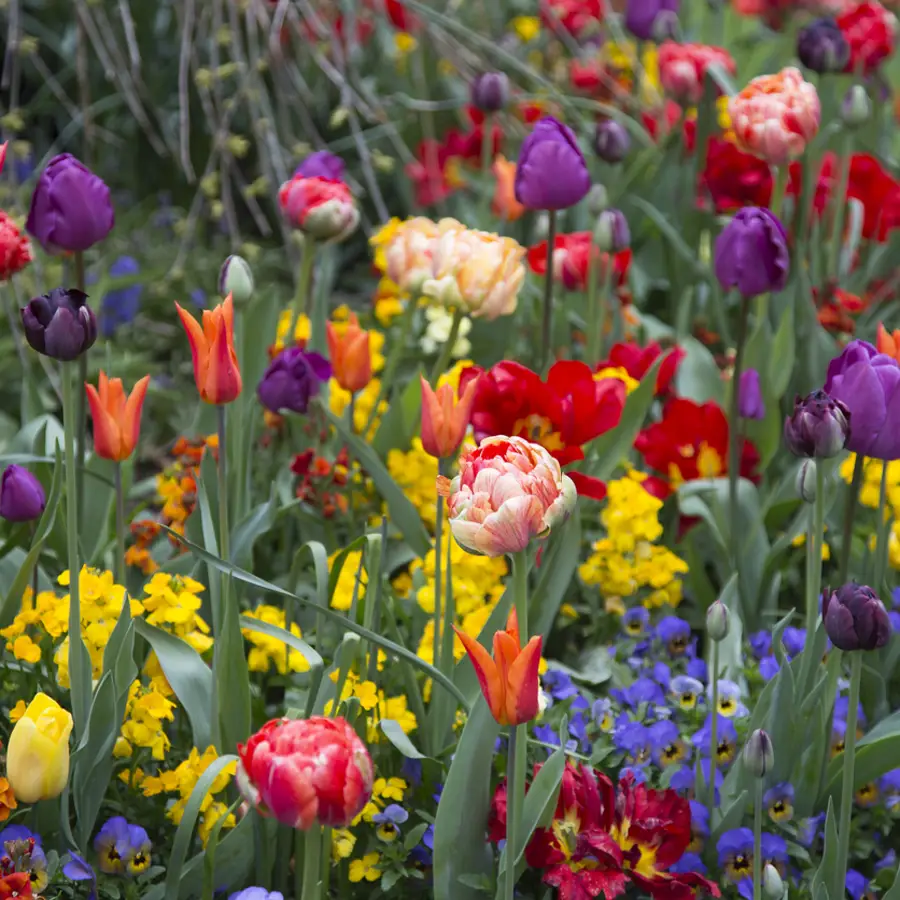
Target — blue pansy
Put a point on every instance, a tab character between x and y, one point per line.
559	685
810	830
735	852
761	644
689	862
389	820
635	621
668	747
726	739
120	305
675	634
779	801
768	667
601	713
856	884
662	675
683	780
889	786
256	893
643	690
636	740
696	668
730	704
686	691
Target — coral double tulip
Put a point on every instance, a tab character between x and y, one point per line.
216	370
37	760
444	420
117	418
306	772
351	360
408	251
509	681
322	208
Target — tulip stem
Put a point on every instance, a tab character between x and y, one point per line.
82	395
487	147
734	440
547	323
443	359
120	526
881	533
398	345
814	540
438	585
520	593
849	515
782	174
847	774
713	730
757	838
840	201
515	799
301	298
311	842
222	470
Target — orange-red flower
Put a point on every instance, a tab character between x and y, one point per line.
351	361
570	259
117	418
7	799
888	342
16	884
15	248
509	681
444	419
504	203
216	370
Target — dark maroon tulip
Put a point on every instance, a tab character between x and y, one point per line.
321	164
855	618
70	207
611	141
818	427
751	253
490	91
551	172
822	47
60	324
292	379
21	495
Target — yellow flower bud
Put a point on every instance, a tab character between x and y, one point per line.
37	762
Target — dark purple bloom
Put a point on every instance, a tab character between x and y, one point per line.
60	324
611	141
551	172
635	620
651	19
490	91
855	618
292	379
822	47
675	633
22	497
818	427
751	253
321	164
611	232
70	207
868	384
120	305
750	399
558	684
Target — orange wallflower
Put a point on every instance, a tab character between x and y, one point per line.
7	799
117	418
351	360
216	369
504	203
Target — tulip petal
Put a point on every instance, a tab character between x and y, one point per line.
223	377
107	436
131	424
487	674
522	689
199	345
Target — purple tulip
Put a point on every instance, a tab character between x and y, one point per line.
822	47
70	207
292	379
551	172
752	254
60	324
611	141
818	427
868	384
645	19
750	399
611	233
21	495
490	91
855	618
321	164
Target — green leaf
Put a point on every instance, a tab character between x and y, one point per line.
209	855
190	677
402	513
827	875
98	505
248	623
672	235
732	816
257	522
556	574
401	421
781	358
459	843
395	734
893	892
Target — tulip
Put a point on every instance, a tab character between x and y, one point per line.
773	885
70	208
888	342
651	19
856	107
216	371
759	755
611	141
751	253
818	427
717	621
408	252
750	399
508	491
22	497
351	359
15	248
822	47
551	172
292	379
236	278
60	324
322	208
504	204
321	164
683	68
611	232
509	681
3	147
490	91
306	772
444	421
37	759
855	618
117	419
807	485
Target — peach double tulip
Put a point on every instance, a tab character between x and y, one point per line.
117	418
216	370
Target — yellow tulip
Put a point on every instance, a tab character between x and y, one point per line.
37	759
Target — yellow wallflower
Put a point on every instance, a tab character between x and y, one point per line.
17	711
145	713
342	599
416	474
526	28
339	399
342	843
389	789
267	651
365	869
173	604
800	541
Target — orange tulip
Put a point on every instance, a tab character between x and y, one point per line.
117	418
504	203
509	681
888	342
216	369
444	420
351	361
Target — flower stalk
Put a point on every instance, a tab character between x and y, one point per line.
847	771
120	526
814	540
881	532
757	838
734	439
547	318
443	360
713	730
312	861
82	397
304	282
849	515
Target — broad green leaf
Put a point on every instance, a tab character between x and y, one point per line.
674	238
781	358
554	577
245	534
248	623
732	814
893	892
99	498
395	734
209	855
401	421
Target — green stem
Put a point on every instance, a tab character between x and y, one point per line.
840	200
438	585
447	661
849	514
520	592
120	526
82	396
301	298
881	533
443	359
487	146
326	860
79	661
515	800
547	322
781	182
734	439
223	494
598	303
847	774
312	861
713	731
757	839
814	540
393	360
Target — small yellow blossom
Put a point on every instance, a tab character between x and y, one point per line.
526	28
268	652
17	711
365	869
342	843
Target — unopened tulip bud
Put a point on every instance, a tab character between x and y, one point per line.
490	91
444	419
806	481
665	28
236	278
818	427
611	233
22	497
597	200
60	324
37	759
611	141
857	107
759	755
855	618
772	884
351	359
717	621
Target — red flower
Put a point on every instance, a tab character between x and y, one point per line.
691	442
869	30
321	207
561	414
16	884
666	120
397	14
878	192
15	248
682	68
734	178
572	15
571	254
637	362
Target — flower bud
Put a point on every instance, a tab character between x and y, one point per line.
822	47
772	885
806	481
856	107
855	618
60	324
236	278
490	91
611	232
759	755
717	621
611	141
21	495
597	200
37	759
751	404
818	426
666	27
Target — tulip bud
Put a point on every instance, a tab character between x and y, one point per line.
236	278
611	232
717	621
822	47
21	495
806	481
597	200
772	884
818	427
759	755
666	28
856	107
611	141
60	324
855	618
37	759
490	91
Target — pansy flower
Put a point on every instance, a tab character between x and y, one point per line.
635	621
857	884
726	740
696	668
668	746
811	830
643	690
866	795
388	822
675	634
761	644
601	713
699	825
729	700
686	691
779	802
794	639
735	852
768	667
559	684
889	787
690	862
636	740
661	674
122	848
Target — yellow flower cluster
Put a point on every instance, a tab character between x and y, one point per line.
172	604
373	700
416	473
384	792
267	652
342	599
870	494
363	404
627	561
147	708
